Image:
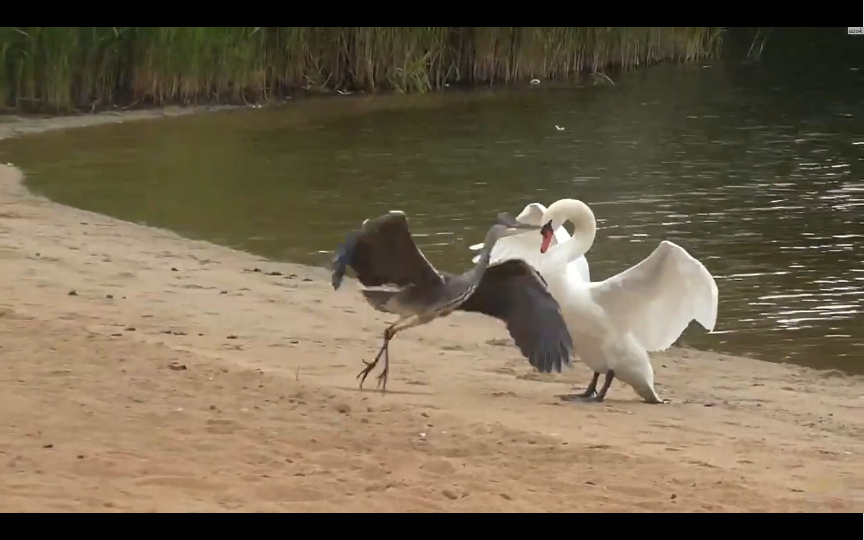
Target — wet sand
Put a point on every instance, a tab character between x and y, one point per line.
178	378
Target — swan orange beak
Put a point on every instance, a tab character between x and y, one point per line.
547	232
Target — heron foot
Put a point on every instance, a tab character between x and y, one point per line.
385	351
382	379
593	397
366	371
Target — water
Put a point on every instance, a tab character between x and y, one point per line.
755	171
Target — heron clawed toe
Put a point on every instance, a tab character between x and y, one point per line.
382	379
385	351
366	371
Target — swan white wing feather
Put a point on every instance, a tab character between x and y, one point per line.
656	299
578	269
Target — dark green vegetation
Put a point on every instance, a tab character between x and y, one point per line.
68	68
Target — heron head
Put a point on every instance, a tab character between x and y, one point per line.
506	226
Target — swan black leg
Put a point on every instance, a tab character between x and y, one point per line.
610	376
598	398
591	391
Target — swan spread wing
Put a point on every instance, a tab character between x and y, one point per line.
656	299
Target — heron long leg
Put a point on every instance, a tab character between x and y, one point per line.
389	333
371	365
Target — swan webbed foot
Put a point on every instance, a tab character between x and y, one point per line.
590	394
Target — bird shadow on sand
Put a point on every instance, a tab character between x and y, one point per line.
577	399
374	390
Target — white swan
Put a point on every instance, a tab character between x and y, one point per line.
524	246
615	323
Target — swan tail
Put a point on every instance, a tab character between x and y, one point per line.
647	393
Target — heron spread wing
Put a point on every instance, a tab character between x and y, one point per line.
383	252
515	293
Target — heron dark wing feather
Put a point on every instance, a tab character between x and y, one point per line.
514	292
384	253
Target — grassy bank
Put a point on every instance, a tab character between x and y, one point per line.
66	68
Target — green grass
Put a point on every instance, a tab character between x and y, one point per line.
64	69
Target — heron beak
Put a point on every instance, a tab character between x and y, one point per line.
547	233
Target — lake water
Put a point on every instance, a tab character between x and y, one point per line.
755	170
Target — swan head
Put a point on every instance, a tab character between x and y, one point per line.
574	211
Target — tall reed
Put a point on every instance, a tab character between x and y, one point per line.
68	68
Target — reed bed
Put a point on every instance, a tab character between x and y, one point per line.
70	68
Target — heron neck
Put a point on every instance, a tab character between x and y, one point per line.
485	254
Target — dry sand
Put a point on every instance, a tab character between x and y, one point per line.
177	378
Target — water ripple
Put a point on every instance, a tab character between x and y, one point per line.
752	174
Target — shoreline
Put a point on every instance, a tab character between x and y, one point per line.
266	414
19	124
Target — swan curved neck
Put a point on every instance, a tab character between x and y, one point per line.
584	224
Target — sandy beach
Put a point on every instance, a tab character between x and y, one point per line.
144	372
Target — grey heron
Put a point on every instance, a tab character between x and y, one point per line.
383	254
